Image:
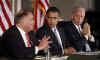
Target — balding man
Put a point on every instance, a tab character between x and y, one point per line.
19	43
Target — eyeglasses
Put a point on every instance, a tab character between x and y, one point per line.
53	17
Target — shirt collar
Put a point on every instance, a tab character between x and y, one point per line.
54	28
77	27
22	31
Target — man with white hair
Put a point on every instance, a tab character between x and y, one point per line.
78	37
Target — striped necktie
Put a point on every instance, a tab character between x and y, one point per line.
28	41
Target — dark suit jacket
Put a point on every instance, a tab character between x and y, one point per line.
55	48
76	40
14	46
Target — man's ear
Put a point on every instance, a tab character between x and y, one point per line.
72	16
59	17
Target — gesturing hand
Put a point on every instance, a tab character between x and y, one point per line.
43	45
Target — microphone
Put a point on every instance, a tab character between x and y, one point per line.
48	55
50	42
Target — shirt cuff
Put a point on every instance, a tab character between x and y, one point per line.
92	38
36	50
86	36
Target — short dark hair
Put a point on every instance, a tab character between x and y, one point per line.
53	9
21	14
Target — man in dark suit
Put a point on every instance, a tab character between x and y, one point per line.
56	33
19	42
78	37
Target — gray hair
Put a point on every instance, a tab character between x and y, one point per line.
76	9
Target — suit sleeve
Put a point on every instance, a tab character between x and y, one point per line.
15	47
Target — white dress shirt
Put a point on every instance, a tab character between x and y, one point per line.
22	32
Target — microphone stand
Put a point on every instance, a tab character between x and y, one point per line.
48	55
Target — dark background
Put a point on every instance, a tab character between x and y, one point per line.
93	18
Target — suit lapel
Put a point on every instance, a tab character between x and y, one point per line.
55	47
53	37
61	35
49	32
21	41
75	29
